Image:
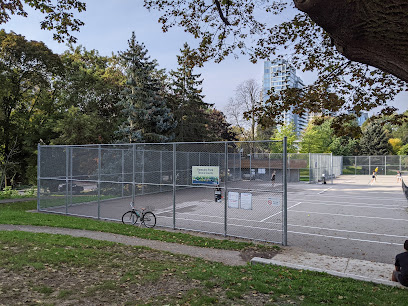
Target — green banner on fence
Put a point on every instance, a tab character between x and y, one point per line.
206	175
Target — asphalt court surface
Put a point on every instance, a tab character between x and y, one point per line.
349	218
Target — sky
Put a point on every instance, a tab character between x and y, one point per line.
109	24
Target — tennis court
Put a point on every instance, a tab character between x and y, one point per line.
350	218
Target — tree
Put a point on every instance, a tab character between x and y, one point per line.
401	130
78	128
317	138
365	32
218	129
396	145
189	109
247	100
345	146
27	72
344	83
374	140
59	17
91	90
403	150
289	131
147	117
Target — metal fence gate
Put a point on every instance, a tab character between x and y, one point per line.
221	187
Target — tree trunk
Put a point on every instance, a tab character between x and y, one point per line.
370	32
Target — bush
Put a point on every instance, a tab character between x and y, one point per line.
8	193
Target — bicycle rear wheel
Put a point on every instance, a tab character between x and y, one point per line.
148	219
129	217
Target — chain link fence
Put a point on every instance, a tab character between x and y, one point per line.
227	188
365	165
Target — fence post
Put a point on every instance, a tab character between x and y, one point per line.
285	195
226	190
385	162
369	164
133	173
143	168
310	170
161	171
70	175
331	166
38	175
99	180
355	165
123	169
66	178
400	163
174	185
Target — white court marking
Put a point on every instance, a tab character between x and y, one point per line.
323	191
347	231
345	238
355	197
325	203
263	220
343	215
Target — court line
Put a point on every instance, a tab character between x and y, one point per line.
294	232
350	202
347	231
231	224
292	225
263	220
398	207
359	197
343	215
325	190
346	238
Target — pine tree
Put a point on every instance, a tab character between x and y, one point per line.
147	117
189	109
375	141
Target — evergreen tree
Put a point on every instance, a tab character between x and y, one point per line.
375	141
189	109
147	117
219	129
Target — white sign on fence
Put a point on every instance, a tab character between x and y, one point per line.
274	201
233	199
246	200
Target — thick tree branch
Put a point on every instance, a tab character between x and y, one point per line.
372	33
223	18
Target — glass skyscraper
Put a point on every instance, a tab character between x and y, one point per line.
278	75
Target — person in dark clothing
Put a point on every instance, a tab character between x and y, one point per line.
400	274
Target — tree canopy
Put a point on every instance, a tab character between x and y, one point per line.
346	81
59	17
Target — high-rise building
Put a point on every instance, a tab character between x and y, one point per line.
363	117
278	75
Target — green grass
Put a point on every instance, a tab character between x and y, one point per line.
17	213
55	269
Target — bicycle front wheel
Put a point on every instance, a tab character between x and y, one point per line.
129	217
149	219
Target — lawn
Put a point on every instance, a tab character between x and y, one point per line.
56	269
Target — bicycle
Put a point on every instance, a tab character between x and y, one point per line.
147	218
